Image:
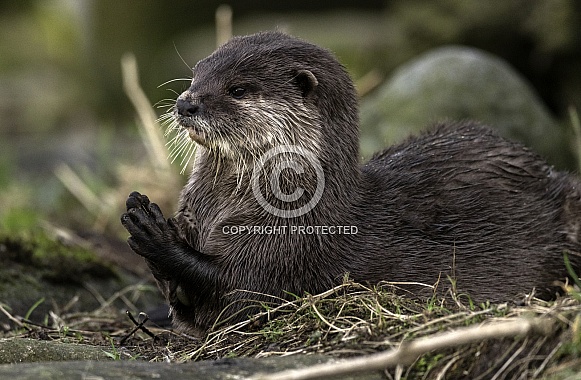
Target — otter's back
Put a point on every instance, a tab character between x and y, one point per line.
463	202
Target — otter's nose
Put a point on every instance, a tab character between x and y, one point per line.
186	108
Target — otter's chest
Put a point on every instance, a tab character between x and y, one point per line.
200	219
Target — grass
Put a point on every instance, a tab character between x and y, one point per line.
354	320
347	321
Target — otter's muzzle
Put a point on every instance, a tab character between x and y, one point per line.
187	108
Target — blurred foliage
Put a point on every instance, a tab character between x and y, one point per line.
61	97
541	38
59	63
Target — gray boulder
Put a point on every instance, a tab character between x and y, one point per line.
457	83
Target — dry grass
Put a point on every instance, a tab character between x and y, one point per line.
354	320
348	321
154	176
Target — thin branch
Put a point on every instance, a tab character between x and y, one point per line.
223	24
10	317
147	117
78	188
410	351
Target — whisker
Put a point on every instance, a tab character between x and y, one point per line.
175	80
188	156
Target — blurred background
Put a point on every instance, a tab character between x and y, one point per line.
62	99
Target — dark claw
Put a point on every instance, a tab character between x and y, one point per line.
150	232
133	200
137	200
173	262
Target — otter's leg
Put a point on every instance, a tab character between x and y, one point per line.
157	240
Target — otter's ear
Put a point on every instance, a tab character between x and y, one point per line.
306	81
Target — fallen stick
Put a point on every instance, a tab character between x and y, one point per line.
408	352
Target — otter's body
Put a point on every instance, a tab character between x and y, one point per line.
458	201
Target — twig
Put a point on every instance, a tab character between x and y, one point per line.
547	360
322	318
78	188
223	24
442	374
410	351
138	326
576	124
509	361
156	145
10	317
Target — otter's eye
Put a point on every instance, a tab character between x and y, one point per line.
237	92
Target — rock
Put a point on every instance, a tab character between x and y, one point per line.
237	368
22	350
456	82
39	275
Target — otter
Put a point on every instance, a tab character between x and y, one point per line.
278	204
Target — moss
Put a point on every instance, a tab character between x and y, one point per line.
54	259
15	220
426	363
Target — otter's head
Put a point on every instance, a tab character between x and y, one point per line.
266	90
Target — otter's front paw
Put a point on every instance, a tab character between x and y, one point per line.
151	234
